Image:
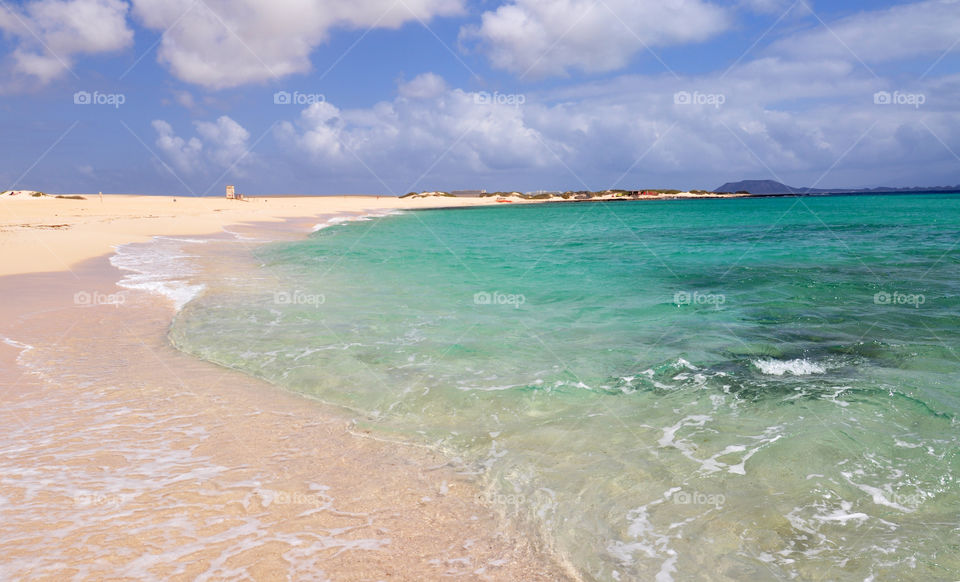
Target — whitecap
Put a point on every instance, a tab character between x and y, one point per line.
797	367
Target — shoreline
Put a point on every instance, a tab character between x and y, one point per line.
51	234
263	456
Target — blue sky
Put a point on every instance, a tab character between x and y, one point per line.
390	96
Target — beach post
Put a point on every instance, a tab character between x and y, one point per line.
231	192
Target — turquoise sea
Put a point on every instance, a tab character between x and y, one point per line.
743	389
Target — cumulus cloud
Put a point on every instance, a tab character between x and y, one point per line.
227	43
806	117
428	125
550	37
221	145
182	154
50	34
228	141
618	133
425	86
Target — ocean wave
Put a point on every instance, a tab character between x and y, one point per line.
158	267
797	367
335	220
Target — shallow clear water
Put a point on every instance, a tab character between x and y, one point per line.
687	390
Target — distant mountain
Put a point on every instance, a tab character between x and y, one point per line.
765	187
774	187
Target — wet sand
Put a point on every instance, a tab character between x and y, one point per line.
125	459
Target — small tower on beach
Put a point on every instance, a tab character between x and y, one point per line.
231	192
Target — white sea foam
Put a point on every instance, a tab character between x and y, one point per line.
332	222
843	515
158	267
186	240
24	348
798	367
876	494
670	432
649	542
239	236
490	388
335	220
15	344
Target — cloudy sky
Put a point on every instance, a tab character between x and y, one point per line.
388	96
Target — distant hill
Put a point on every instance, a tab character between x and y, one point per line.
774	187
765	187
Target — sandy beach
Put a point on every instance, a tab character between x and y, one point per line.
53	234
126	459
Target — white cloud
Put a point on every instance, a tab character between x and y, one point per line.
182	154
550	37
227	43
900	32
185	99
769	6
221	145
588	136
425	86
227	141
51	33
427	126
